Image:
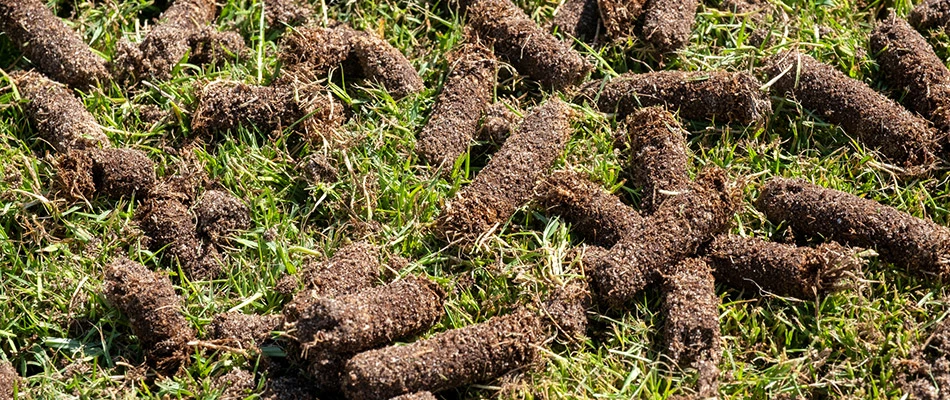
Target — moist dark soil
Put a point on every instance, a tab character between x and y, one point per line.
566	310
620	17
309	53
318	168
755	265
280	13
168	42
51	46
691	328
930	14
148	299
213	47
465	96
171	226
447	360
114	173
507	182
926	374
353	268
220	215
8	380
498	123
243	330
654	143
910	67
731	97
416	396
578	19
667	24
921	246
879	122
674	232
385	64
57	115
370	317
596	215
522	43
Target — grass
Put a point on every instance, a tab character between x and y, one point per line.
60	333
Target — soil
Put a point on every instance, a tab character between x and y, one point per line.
385	64
578	19
522	43
595	215
51	46
675	231
416	396
236	384
654	143
730	97
289	387
507	182
620	17
281	13
880	123
921	246
498	123
148	299
910	66
370	317
353	268
926	375
930	14
57	115
691	329
309	53
8	380
168	42
74	175
566	310
667	24
449	359
243	330
171	226
213	47
318	168
183	184
114	173
785	270
220	215
465	96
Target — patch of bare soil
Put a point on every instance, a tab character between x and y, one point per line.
154	310
675	231
51	46
522	43
447	360
221	215
497	124
657	159
243	330
926	375
9	381
281	13
731	97
691	329
879	122
620	17
596	215
922	246
930	14
565	310
465	97
353	268
667	24
783	269
386	65
170	225
507	182
578	19
57	115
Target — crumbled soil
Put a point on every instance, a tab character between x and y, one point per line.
522	43
111	172
281	13
148	299
168	42
74	175
667	24
309	53
507	182
910	66
170	225
236	384
691	329
385	64
221	215
318	168
926	374
620	17
675	231
596	215
58	116
755	265
243	330
566	310
930	14
730	97
921	246
498	123
51	45
657	159
213	47
353	268
465	96
8	380
879	122
370	317
416	396
578	19
289	387
449	359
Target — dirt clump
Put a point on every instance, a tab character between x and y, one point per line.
620	17
879	122
447	360
578	19
220	215
354	267
783	269
596	215
731	97
51	46
9	381
527	47
171	226
657	159
691	329
385	64
57	115
922	246
318	168
565	310
235	384
930	14
148	299
926	374
508	180
497	124
675	231
667	24
910	66
168	42
213	47
289	387
416	396
309	53
243	330
112	172
281	13
465	96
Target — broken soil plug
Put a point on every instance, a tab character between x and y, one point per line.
930	14
111	172
578	19
170	225
168	41
667	24
565	310
57	115
354	267
620	17
220	215
658	162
